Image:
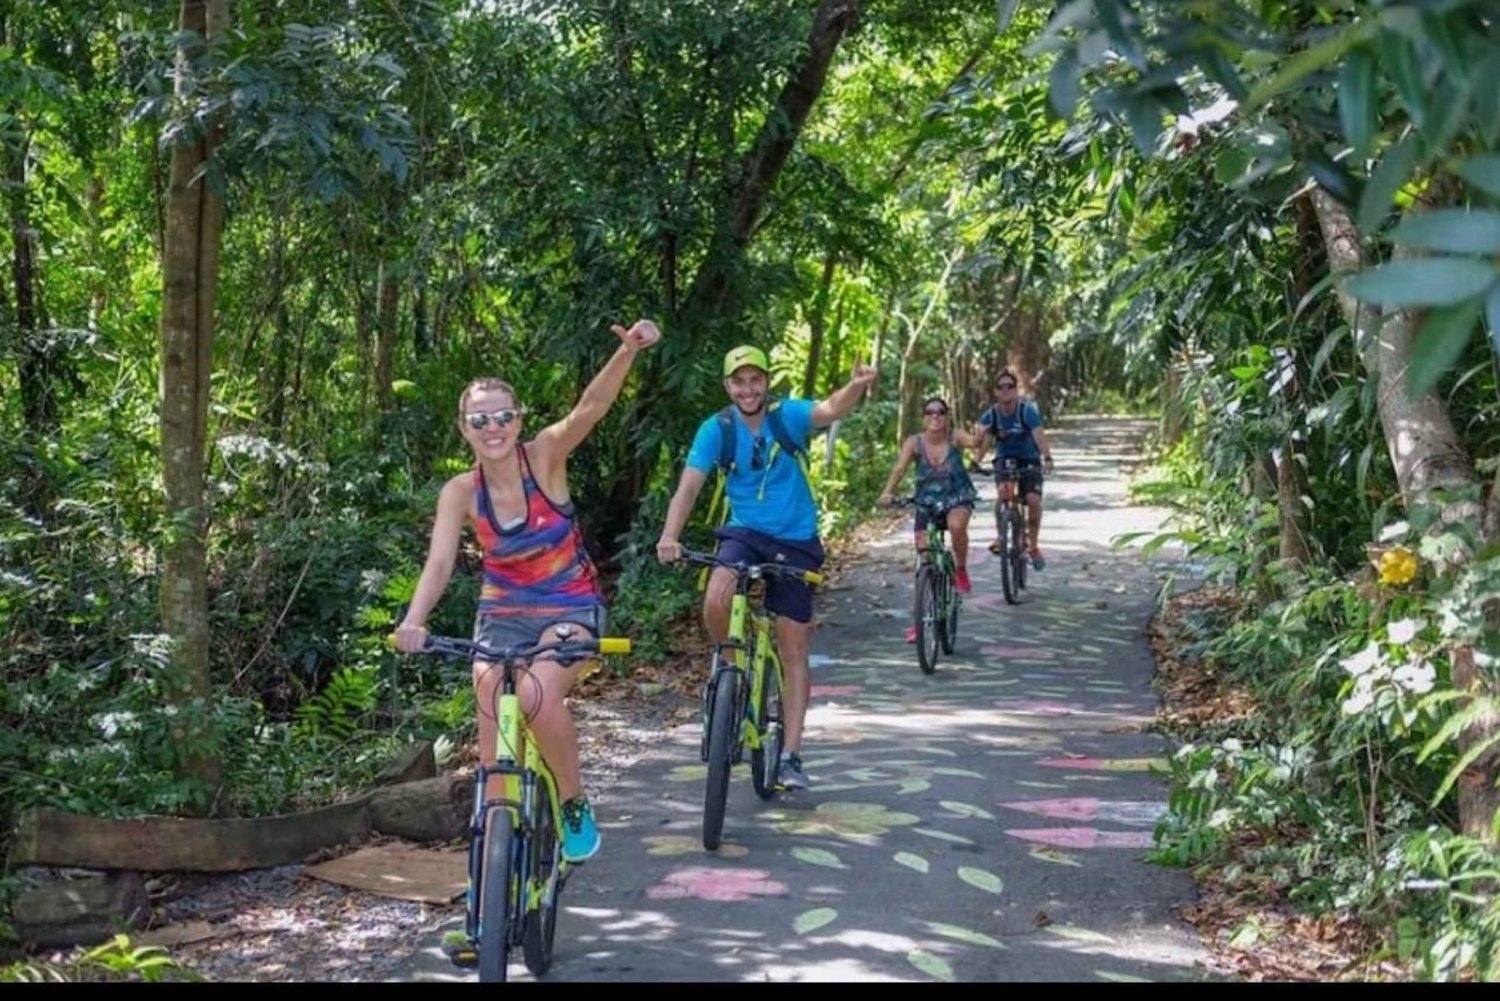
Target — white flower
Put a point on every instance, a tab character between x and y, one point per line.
1403	631
1232	745
1363	661
1362	698
1416	677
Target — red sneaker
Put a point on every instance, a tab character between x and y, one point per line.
911	634
962	579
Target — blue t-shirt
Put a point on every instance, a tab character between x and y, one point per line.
1019	442
774	499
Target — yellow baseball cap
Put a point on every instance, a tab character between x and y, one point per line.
743	355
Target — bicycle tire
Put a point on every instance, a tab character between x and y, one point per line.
765	760
924	614
1008	582
539	927
724	732
950	621
495	896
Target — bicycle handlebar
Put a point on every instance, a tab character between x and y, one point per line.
565	650
752	570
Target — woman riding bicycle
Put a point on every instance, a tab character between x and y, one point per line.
942	480
539	584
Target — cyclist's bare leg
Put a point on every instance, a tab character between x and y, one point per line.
792	641
1034	518
958	531
716	603
544	689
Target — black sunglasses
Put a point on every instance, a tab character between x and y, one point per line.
936	412
1005	385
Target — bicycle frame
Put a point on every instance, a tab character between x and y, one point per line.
745	621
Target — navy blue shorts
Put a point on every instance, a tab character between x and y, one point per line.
785	597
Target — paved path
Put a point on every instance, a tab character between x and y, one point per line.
985	823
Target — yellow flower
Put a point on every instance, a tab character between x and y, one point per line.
1398	565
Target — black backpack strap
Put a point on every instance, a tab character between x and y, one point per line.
779	430
726	440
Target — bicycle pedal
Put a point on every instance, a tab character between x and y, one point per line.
461	952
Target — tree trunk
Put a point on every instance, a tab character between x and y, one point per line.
1429	459
815	324
387	299
190	272
758	170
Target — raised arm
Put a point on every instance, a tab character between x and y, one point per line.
557	441
839	403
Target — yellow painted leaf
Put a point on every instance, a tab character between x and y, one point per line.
964	935
911	861
982	878
818	856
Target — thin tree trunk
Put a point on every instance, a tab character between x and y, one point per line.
190	272
815	323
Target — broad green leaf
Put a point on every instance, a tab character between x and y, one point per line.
1399	60
1310	60
1356	99
1492	317
814	919
931	965
1063	89
1444	336
1394	170
1005	10
911	861
981	878
1483	172
1425	282
1453	231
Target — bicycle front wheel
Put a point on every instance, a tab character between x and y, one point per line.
925	615
495	896
1021	553
723	737
1009	582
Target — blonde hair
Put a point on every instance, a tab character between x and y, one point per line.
486	386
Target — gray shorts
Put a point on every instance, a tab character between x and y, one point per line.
524	630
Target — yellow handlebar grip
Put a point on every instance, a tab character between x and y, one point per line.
614	644
813	577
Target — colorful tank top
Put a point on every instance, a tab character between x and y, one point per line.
538	567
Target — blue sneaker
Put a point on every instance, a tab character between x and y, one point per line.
1037	563
792	775
580	835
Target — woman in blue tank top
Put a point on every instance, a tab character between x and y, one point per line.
941	477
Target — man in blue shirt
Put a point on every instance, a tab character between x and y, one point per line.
1016	427
772	516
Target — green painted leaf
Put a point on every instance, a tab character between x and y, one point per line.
818	856
943	836
964	935
914	785
1445	334
966	810
931	965
911	861
1054	856
1452	231
1121	978
963	773
814	919
981	878
1426	282
1078	934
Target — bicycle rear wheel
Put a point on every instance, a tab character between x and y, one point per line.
540	924
495	896
950	619
724	734
925	615
765	760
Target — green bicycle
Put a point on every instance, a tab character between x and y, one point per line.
1011	520
742	697
937	601
516	868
